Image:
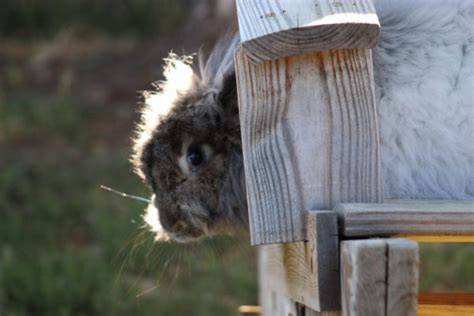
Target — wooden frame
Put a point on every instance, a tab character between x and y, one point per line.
379	277
310	142
325	96
300	270
409	218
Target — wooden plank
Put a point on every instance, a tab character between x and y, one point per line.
250	310
450	298
402	277
379	277
407	218
439	238
299	270
275	304
363	277
274	29
309	136
445	310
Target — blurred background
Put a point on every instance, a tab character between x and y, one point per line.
71	72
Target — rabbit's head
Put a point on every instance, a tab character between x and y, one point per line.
188	148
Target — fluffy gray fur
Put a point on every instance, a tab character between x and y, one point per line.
424	75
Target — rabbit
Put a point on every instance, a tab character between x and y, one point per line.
187	146
190	154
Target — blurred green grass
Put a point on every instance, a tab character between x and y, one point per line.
447	267
33	20
67	248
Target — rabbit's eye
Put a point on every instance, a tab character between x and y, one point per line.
195	156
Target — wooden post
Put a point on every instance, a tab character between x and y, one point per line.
379	277
309	127
309	133
274	29
306	272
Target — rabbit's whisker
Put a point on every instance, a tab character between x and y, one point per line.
134	197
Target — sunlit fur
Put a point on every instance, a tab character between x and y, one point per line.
179	79
424	74
193	108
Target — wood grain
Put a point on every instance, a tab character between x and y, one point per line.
310	138
407	218
363	278
275	304
440	238
445	310
279	28
299	270
250	310
402	277
379	277
450	298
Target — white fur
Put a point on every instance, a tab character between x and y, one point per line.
424	76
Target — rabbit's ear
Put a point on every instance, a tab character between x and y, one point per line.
228	96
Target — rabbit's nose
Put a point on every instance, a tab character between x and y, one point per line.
179	227
169	223
173	224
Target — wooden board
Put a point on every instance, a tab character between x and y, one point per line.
309	136
379	277
402	277
274	304
440	238
449	298
299	270
445	310
250	310
442	304
274	29
363	276
407	218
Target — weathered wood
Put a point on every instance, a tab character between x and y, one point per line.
363	277
309	131
250	310
379	277
299	270
438	238
445	310
274	29
407	218
310	138
274	304
402	277
450	298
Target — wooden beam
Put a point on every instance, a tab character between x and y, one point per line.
442	304
445	310
309	131
440	238
407	218
300	270
310	138
274	29
363	277
275	304
379	277
450	298
402	277
250	310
